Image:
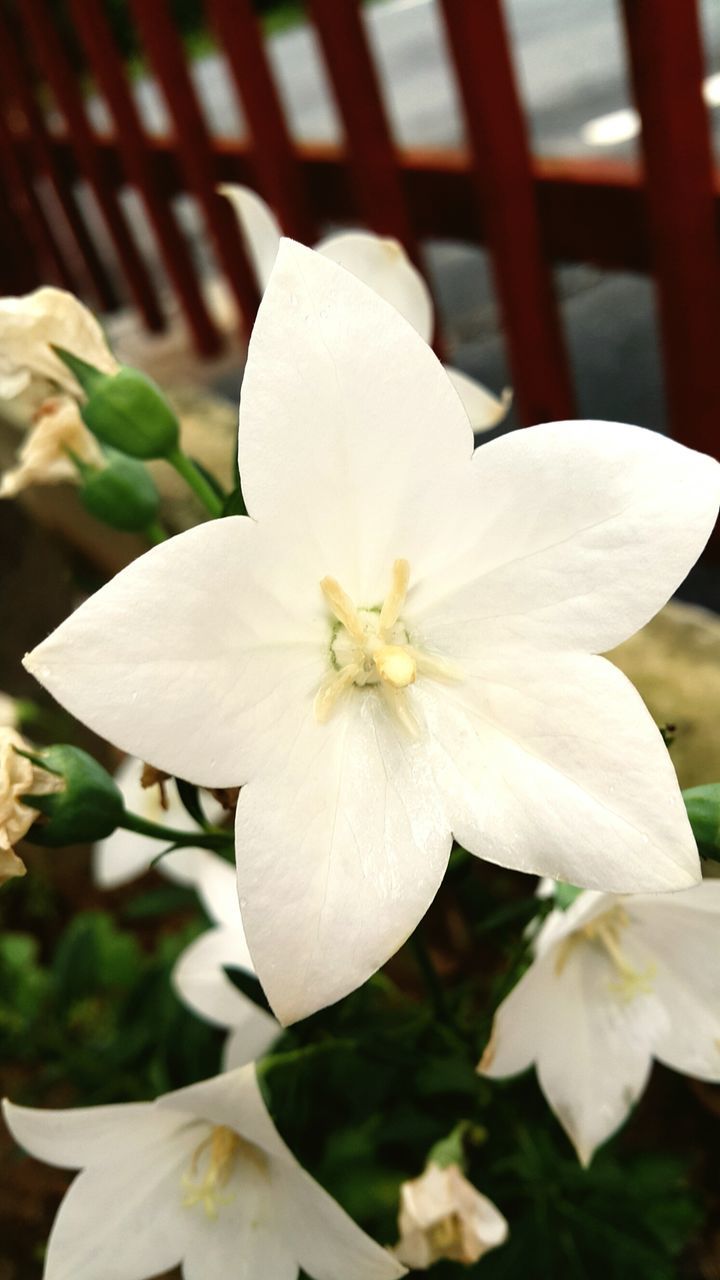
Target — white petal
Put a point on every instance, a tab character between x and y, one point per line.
217	666
216	886
231	1099
349	428
260	228
201	982
244	1242
553	766
582	531
88	1135
484	409
339	856
325	1240
384	266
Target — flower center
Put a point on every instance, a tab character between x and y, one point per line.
211	1166
606	931
371	647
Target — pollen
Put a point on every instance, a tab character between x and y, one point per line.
210	1170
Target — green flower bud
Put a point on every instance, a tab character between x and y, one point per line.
89	807
703	809
126	410
122	494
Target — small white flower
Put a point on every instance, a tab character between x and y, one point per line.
616	982
442	1215
19	777
199	975
399	643
380	263
44	456
126	854
31	324
199	1177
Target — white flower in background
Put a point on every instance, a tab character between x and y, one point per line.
31	325
199	1177
44	456
615	983
125	854
199	975
19	777
400	643
443	1216
380	263
8	712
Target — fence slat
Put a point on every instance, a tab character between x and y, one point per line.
102	53
194	146
17	78
666	60
275	160
22	194
375	172
504	186
63	82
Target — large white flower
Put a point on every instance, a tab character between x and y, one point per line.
615	982
379	262
442	1215
199	976
400	643
199	1177
31	325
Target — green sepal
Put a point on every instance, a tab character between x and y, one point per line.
452	1149
122	494
89	378
126	410
703	810
89	808
234	504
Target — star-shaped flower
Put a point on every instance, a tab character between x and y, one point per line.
379	262
616	982
399	643
199	1177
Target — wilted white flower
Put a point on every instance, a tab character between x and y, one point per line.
200	977
400	644
19	777
616	982
31	325
45	454
8	712
199	1177
126	854
380	263
442	1215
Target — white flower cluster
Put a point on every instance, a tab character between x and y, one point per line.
398	646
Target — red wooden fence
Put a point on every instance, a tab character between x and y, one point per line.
661	217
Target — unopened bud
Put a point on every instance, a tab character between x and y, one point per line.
126	410
121	494
703	810
88	808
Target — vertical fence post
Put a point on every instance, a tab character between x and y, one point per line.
94	31
24	198
504	185
666	61
275	160
64	83
164	46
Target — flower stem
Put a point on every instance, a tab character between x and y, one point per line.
196	481
188	839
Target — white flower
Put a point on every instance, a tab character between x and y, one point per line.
443	1216
28	327
615	983
44	457
19	777
279	651
199	1177
380	263
199	975
125	854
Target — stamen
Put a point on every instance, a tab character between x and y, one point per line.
332	688
429	664
399	707
394	601
606	929
343	608
396	665
222	1144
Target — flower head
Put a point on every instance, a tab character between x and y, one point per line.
616	982
19	777
45	456
383	265
199	1177
443	1216
245	651
31	325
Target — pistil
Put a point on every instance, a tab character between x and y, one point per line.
221	1147
606	930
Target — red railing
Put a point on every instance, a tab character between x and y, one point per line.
660	217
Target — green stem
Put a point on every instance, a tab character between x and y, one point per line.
189	839
430	977
155	532
186	468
